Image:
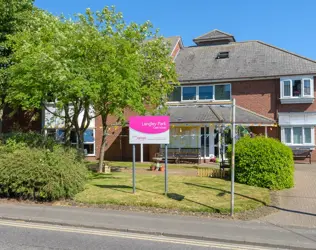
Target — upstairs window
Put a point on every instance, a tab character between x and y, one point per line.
216	92
188	93
206	92
297	90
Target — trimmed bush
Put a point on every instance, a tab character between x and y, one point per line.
263	162
40	174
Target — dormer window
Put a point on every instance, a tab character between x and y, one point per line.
222	55
297	90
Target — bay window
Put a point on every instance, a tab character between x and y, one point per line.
298	135
214	92
297	90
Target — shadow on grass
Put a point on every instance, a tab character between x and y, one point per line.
223	192
116	187
180	197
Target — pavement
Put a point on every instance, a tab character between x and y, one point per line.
231	231
297	206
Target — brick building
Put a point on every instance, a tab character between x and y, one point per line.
274	92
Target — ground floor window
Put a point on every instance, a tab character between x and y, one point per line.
88	138
298	135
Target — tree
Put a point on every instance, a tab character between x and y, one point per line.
94	60
13	17
133	67
52	65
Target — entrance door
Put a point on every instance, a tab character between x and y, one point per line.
205	141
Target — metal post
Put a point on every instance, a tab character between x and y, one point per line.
166	169
232	201
142	152
134	181
266	131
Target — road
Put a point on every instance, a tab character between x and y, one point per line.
20	235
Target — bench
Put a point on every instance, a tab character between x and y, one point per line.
182	154
302	153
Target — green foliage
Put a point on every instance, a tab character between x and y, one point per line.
31	139
14	15
263	162
40	174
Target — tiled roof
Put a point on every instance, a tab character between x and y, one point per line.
214	114
246	60
214	35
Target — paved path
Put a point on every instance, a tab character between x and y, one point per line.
298	205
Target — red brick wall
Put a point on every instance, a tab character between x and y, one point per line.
21	121
176	50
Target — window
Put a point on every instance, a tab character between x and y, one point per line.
217	92
188	93
308	135
205	92
89	142
287	133
175	96
222	55
287	88
297	90
298	135
88	139
307	87
222	92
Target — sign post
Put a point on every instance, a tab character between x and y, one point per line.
232	201
134	170
149	130
166	169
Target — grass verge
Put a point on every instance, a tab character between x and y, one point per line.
186	193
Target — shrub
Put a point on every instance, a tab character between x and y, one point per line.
263	162
31	139
40	174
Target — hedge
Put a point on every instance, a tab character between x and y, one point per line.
263	162
40	174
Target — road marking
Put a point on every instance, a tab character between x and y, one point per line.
135	236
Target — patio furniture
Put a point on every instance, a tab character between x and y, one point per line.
302	153
181	154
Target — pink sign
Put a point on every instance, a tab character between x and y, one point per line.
149	130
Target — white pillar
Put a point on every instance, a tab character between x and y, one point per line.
266	131
204	142
141	153
219	142
211	142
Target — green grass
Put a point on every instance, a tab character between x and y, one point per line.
187	193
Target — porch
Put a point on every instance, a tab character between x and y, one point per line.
200	132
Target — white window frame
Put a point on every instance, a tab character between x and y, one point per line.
197	99
291	80
312	143
93	143
75	144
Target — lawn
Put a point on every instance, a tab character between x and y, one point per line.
186	193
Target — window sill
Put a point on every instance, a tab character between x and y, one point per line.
301	146
290	100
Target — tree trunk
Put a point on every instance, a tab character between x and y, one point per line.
103	144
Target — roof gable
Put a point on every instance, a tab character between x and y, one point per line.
214	36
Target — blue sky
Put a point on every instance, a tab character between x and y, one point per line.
288	24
